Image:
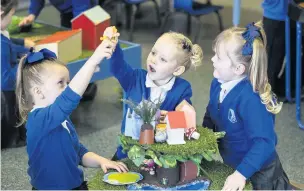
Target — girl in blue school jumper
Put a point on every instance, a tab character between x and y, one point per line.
68	10
46	98
242	104
11	50
171	56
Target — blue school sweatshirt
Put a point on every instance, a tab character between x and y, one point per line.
9	62
54	149
133	83
250	140
275	9
63	6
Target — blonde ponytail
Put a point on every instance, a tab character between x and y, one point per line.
258	74
20	93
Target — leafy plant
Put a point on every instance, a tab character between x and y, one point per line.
168	156
146	110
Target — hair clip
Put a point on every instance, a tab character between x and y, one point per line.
252	32
186	45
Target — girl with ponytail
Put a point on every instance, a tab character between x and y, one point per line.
243	105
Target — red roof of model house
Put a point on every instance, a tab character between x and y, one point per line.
177	119
58	36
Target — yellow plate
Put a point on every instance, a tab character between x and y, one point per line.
116	178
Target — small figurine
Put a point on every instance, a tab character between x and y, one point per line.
109	35
191	133
161	134
190	115
149	166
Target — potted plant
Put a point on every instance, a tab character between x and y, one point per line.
146	110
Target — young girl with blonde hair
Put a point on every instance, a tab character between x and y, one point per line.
243	105
46	98
172	55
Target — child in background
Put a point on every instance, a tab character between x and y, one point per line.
171	56
46	98
11	49
242	104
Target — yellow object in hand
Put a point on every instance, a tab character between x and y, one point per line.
112	37
124	178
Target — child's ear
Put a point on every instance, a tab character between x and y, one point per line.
2	13
179	71
240	69
38	93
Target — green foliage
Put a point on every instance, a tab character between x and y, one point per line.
167	156
14	26
146	110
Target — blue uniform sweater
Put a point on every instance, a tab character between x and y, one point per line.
250	140
9	63
275	9
63	6
133	83
54	152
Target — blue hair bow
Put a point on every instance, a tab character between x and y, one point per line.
34	57
252	32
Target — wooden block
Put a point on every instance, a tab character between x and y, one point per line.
188	171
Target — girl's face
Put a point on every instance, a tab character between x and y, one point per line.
6	20
223	68
162	60
56	78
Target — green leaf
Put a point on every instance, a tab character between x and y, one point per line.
151	154
197	159
136	152
168	161
219	135
207	157
180	158
139	161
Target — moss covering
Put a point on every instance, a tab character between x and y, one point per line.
217	171
206	142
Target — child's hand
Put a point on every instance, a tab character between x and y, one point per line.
110	34
108	164
28	43
27	20
104	50
235	181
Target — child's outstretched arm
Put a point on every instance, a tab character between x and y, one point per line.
81	80
120	69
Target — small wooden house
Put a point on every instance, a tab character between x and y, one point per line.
67	45
176	124
190	113
93	22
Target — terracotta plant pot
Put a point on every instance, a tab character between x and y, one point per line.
146	134
168	176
